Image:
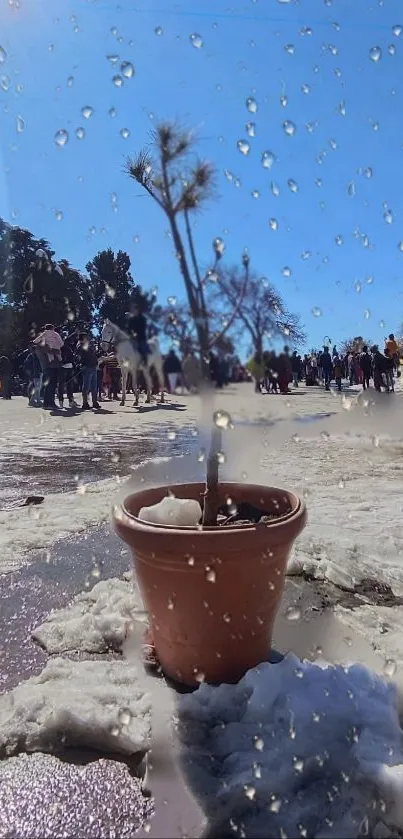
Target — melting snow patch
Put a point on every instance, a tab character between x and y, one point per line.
295	749
91	704
96	621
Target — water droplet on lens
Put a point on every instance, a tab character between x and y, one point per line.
292	185
80	133
255	193
3	55
388	216
243	146
222	419
268	158
125	133
293	613
367	314
70	81
196	40
290	49
159	30
316	311
250	791
61	137
390	668
125	716
339	239
375	54
251	105
273	224
289	128
117	81
112	112
221	457
397	30
275	805
211	575
306	88
259	744
127	69
20	125
275	189
250	128
171	604
392	49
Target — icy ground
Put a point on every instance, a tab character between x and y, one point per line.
87	704
43	798
293	750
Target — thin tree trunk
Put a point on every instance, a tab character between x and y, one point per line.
211	495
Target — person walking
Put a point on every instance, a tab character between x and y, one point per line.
137	327
66	373
392	347
389	371
327	367
366	367
337	371
51	342
379	367
172	370
192	371
89	363
295	368
33	371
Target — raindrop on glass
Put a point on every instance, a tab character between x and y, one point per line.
59	217
306	88
306	255
125	133
273	224
342	109
388	216
112	112
316	311
61	137
158	31
250	791
390	668
339	239
117	81
268	158
292	185
290	49
289	128
286	272
70	81
87	111
367	314
255	193
251	129
3	55
397	30
222	419
283	100
20	124
392	49
259	744
5	83
113	59
251	105
368	172
293	613
243	146
211	575
80	133
127	69
196	40
375	54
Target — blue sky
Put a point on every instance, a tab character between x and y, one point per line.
337	236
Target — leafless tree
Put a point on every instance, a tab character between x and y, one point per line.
353	345
180	183
263	313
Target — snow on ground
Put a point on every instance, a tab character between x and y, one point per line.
98	705
97	621
295	749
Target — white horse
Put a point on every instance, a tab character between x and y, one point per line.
130	360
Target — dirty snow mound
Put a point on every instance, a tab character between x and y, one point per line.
90	704
295	749
96	621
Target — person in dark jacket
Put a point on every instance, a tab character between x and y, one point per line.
379	367
366	367
389	371
327	367
137	328
172	370
33	371
295	368
6	375
89	363
66	372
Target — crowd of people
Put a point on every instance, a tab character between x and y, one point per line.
56	366
274	373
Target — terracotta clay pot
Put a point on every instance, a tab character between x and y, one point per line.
212	594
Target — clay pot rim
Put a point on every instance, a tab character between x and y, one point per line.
297	508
